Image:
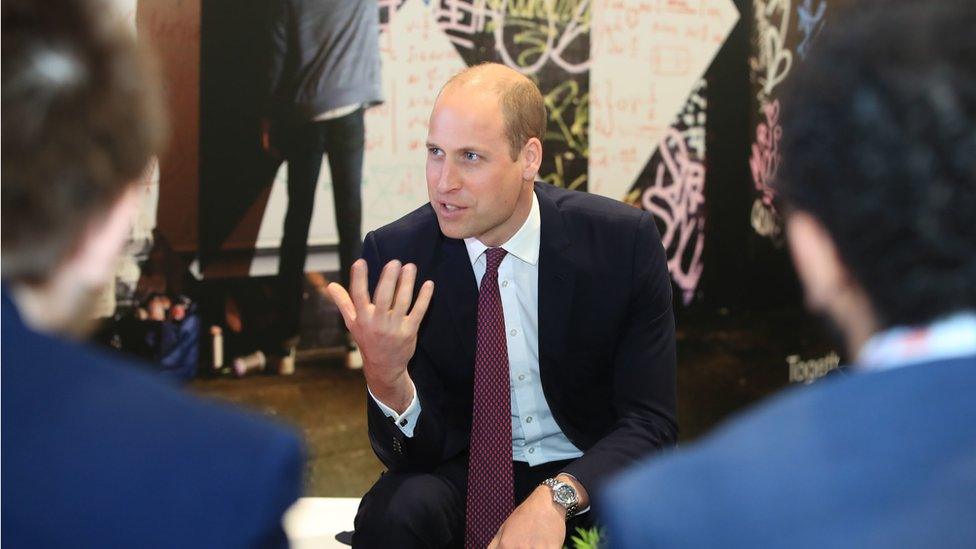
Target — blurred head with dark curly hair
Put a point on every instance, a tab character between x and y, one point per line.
879	166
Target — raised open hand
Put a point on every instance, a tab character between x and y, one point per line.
386	327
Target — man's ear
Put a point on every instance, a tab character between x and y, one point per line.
96	256
822	273
531	159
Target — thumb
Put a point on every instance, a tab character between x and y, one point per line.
342	300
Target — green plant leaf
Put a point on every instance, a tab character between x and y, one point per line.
587	539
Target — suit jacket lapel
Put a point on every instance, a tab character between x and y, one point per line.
557	278
456	285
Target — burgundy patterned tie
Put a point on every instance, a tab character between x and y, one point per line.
490	462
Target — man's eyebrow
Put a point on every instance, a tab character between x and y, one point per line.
472	148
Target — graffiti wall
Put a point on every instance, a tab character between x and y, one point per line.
783	33
671	106
645	100
672	188
623	82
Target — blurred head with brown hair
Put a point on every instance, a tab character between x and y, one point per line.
81	120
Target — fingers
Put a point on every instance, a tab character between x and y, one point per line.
393	291
358	286
404	291
383	296
342	300
420	307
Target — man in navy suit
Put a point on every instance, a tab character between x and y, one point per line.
98	452
879	183
582	315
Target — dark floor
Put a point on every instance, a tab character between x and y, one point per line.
725	362
326	402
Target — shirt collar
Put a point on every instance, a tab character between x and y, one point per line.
524	244
946	338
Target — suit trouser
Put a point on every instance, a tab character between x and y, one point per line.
342	140
427	509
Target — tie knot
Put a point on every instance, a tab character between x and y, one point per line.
494	257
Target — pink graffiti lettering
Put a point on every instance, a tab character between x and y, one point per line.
676	199
765	158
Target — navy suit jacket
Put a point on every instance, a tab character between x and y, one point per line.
884	459
606	335
98	452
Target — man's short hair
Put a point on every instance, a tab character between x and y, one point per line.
522	104
879	144
525	114
81	119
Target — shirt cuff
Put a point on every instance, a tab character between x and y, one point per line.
408	419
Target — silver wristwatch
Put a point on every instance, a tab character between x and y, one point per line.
563	494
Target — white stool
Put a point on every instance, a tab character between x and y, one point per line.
312	523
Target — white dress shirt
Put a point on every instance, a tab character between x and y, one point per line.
947	338
338	112
536	438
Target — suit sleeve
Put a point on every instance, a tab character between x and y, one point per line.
425	449
280	485
643	385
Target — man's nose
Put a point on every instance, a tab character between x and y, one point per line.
448	180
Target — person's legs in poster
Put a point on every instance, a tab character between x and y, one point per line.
303	152
344	140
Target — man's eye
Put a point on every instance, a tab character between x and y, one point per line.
434	151
471	156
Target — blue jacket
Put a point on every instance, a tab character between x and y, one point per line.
885	459
96	452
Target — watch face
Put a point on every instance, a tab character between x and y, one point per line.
565	494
